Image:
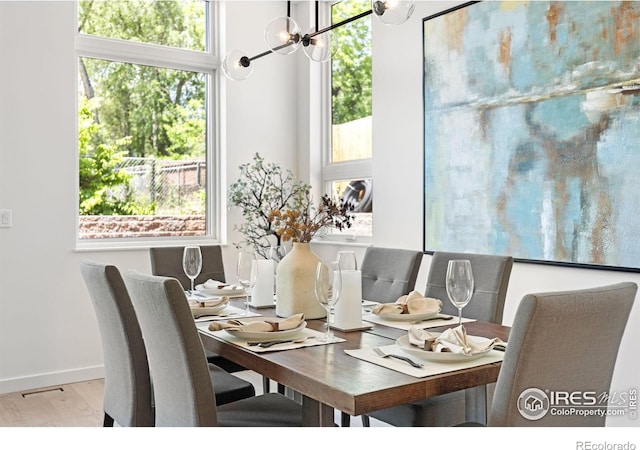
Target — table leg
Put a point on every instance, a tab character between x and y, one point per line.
475	400
316	414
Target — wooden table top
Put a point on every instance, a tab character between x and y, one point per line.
328	375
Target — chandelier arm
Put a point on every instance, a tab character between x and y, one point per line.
246	61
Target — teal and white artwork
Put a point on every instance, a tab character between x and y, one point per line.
532	131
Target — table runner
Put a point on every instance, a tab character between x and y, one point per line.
312	341
374	318
429	368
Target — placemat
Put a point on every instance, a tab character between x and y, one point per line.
429	367
312	340
374	318
230	312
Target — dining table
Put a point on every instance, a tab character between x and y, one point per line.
326	378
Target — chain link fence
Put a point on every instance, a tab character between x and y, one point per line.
176	187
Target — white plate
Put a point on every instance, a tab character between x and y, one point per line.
405	345
408	317
267	335
229	292
208	310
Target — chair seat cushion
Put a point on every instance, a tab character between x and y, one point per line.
229	388
268	410
223	363
440	411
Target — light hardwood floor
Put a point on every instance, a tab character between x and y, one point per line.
80	405
69	405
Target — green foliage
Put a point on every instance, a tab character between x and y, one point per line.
171	23
130	110
161	110
186	133
104	188
351	65
261	189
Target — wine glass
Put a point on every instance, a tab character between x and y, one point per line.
276	253
459	284
328	287
247	273
347	260
192	263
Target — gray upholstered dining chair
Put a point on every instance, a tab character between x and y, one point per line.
127	383
128	393
491	275
184	393
167	262
387	274
558	342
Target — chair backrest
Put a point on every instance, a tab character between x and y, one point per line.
183	392
491	278
127	385
389	273
167	262
560	342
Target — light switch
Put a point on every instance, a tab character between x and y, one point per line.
6	219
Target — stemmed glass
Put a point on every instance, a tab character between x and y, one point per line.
328	287
247	273
192	263
459	284
347	260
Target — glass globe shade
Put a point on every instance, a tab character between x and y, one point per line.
321	47
282	35
392	12
235	68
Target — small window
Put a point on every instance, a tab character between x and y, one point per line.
347	168
177	24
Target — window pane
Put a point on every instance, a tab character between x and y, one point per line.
358	193
351	119
172	23
142	146
351	84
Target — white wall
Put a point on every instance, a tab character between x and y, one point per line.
48	333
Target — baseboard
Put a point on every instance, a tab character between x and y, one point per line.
32	382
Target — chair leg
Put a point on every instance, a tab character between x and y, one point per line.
345	420
108	420
365	421
266	385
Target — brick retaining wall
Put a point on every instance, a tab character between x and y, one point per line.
100	227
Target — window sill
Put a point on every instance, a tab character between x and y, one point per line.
341	241
132	244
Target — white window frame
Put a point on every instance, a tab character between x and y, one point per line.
338	171
208	63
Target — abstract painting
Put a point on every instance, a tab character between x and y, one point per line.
532	131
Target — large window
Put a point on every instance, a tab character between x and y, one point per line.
146	128
347	166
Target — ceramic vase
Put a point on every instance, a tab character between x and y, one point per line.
295	283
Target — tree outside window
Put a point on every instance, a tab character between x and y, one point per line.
142	128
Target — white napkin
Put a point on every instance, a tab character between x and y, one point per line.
266	325
413	303
454	340
215	284
196	302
